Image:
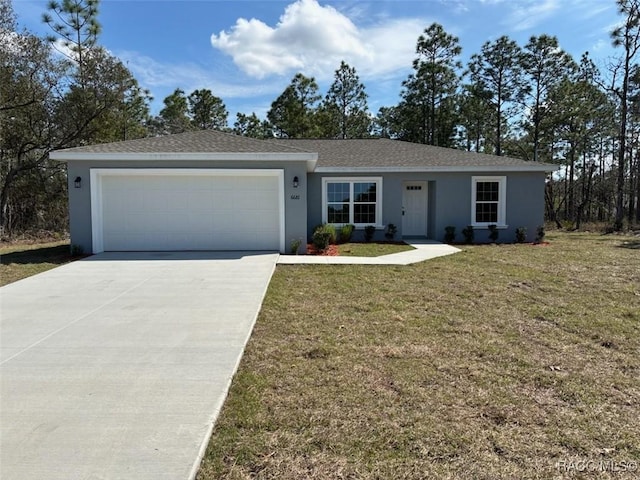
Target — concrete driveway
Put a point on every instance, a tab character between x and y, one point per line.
116	367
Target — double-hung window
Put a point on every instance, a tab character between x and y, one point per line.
488	201
352	200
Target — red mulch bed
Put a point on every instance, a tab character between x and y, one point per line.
331	251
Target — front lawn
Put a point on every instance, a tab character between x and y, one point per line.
499	362
372	249
21	260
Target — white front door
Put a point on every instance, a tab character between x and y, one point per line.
414	209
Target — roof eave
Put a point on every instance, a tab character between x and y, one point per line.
442	169
66	156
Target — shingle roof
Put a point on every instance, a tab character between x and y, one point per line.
201	141
386	153
337	155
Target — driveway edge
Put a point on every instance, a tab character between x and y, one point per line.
222	399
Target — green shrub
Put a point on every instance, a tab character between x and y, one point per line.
329	229
449	234
493	232
321	239
521	235
295	246
76	250
346	232
369	231
540	233
467	233
391	231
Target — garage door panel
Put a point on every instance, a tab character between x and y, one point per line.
218	199
178	201
221	221
247	201
263	197
178	223
221	183
190	212
200	199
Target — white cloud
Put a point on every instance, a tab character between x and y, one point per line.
313	38
61	48
592	10
526	15
600	45
189	76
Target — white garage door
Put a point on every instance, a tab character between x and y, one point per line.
192	210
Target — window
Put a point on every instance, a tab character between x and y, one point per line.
488	201
356	201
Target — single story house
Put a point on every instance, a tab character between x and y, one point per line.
209	190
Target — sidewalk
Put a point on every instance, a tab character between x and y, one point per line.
423	250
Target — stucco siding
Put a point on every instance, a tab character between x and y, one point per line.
449	202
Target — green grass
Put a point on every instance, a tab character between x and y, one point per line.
372	249
18	261
498	362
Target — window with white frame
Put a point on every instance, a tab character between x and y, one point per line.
352	200
488	201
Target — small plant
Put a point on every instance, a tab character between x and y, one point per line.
493	232
449	234
467	233
521	235
76	250
540	233
321	239
331	229
391	231
295	246
346	232
369	231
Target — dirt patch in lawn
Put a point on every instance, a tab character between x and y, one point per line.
330	251
368	249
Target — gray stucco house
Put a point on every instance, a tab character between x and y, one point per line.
209	190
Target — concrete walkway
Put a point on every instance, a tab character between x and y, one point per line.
423	250
115	367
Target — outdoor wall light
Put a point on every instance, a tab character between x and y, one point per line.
77	182
296	182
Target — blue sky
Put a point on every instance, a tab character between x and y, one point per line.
246	52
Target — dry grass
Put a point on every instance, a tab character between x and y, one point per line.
19	260
499	362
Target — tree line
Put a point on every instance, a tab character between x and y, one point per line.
533	102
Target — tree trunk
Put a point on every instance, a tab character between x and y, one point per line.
638	186
571	197
499	123
4	199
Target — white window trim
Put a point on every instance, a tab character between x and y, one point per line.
351	180
502	201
